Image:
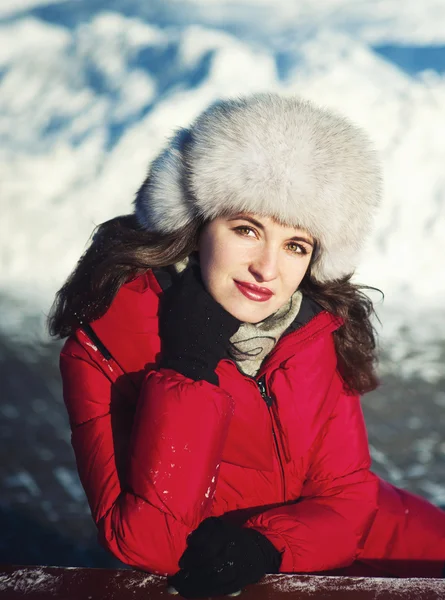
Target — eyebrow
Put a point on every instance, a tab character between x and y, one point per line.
295	238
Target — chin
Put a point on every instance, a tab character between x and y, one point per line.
248	314
252	320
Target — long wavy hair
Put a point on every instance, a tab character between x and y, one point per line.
121	250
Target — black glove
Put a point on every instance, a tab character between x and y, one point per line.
195	330
221	558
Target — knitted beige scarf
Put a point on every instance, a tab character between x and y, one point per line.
253	341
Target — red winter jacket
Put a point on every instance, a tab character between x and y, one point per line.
157	453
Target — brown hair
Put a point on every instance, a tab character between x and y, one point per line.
355	341
121	249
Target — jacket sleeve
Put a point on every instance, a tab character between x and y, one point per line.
325	528
176	442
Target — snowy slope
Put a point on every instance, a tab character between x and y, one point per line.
89	91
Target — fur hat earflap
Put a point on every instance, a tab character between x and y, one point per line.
275	156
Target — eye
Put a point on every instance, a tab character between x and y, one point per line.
296	248
244	230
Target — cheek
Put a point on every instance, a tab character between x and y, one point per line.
219	271
218	256
295	277
214	262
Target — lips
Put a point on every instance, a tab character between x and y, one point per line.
254	292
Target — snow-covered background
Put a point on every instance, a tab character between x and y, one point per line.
89	92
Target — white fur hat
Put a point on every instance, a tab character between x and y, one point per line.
275	156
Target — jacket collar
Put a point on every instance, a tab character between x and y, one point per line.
308	310
312	319
131	320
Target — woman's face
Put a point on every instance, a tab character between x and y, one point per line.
252	265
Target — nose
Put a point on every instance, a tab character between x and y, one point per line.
264	265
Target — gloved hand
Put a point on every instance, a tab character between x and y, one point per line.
195	329
221	558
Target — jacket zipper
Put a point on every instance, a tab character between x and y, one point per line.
261	386
261	383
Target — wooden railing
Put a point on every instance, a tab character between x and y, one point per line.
61	583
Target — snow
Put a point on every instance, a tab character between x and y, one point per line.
29	581
87	102
318	585
148	580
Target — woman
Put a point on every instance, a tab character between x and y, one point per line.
216	353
